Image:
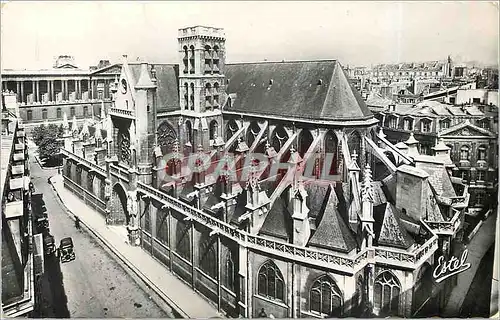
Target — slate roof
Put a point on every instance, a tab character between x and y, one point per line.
295	90
278	222
332	232
389	230
316	194
167	81
440	180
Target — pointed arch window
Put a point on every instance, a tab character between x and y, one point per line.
386	294
214	126
208	59
189	132
183	246
191	97
147	218
215	61
162	226
208	96
186	96
78	177
185	59
208	258
270	282
325	298
90	182
191	60
215	95
229	275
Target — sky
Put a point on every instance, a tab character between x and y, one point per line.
355	33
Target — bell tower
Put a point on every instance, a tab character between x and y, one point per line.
201	84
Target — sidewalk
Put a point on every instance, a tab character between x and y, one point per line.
477	249
157	276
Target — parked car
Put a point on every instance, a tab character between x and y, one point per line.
49	244
66	252
42	223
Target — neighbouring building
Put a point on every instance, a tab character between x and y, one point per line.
45	95
469	131
202	162
18	248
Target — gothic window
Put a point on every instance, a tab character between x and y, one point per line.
481	153
325	298
189	132
186	96
279	138
85	111
90	182
44	114
408	124
59	113
331	146
191	97
208	59
29	115
208	96
102	190
229	276
124	146
386	292
464	153
185	59
183	246
305	141
270	282
147	218
215	56
191	60
68	169
78	175
213	129
72	111
208	258
162	226
166	137
216	95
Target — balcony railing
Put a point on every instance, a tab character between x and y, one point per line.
350	263
121	112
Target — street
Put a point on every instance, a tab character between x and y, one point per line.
92	286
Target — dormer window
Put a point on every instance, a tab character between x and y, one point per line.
425	125
408	124
444	124
484	124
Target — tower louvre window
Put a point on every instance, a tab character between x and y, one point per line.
191	60
191	97
185	59
186	96
215	60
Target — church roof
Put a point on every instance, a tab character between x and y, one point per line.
278	221
332	231
389	229
300	89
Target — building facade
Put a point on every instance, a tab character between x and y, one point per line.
218	170
45	95
18	248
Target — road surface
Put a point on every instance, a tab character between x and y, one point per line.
92	286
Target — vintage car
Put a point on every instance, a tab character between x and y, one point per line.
49	244
66	253
42	224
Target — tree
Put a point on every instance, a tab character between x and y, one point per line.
46	138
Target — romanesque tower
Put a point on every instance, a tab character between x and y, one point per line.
201	85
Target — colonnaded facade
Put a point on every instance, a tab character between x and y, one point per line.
186	161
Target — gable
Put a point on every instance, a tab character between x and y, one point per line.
113	69
466	130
